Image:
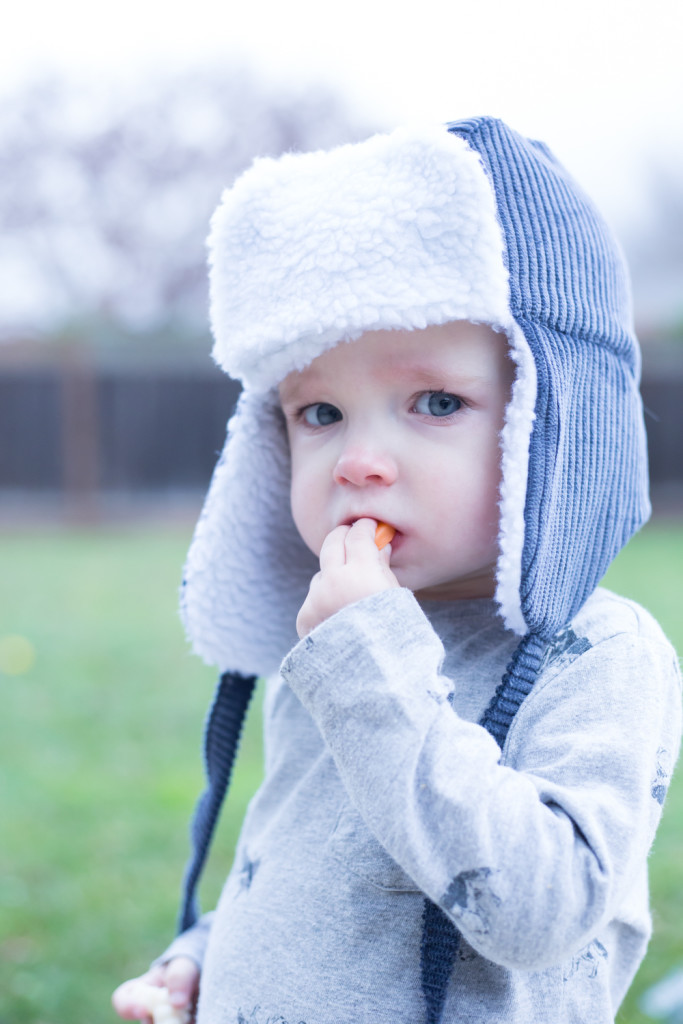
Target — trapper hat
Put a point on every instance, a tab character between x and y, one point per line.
405	230
469	221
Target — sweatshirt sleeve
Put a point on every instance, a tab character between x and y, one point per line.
532	851
191	943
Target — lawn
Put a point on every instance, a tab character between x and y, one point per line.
102	714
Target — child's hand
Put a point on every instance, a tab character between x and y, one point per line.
164	995
351	567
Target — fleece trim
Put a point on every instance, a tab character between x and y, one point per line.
587	484
305	251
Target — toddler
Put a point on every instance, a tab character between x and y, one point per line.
469	744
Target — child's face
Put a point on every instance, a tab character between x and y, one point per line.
403	427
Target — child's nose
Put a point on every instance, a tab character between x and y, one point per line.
361	466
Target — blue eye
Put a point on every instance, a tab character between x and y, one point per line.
437	403
321	414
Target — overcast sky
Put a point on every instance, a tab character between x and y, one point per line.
600	80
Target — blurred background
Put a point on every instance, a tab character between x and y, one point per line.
119	129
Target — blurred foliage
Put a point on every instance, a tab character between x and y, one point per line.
107	188
106	193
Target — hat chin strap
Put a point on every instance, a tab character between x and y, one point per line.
221	740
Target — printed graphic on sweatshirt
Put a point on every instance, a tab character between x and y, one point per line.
465	953
660	783
254	1018
565	645
247	872
587	961
472	900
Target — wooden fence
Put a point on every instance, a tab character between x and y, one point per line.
75	431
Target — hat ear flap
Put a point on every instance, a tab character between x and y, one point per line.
247	571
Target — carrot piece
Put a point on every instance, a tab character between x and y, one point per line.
384	534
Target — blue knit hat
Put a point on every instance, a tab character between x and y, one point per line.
587	487
402	231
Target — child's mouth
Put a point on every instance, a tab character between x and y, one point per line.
385	532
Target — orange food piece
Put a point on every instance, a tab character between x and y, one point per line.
384	534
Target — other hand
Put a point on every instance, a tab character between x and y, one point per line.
180	976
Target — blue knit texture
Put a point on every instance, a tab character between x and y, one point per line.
438	950
440	937
587	487
515	686
221	740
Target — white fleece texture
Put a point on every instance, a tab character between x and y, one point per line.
306	251
248	570
398	231
519	420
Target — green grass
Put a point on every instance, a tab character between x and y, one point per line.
100	748
101	765
650	570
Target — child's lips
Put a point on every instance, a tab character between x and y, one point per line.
350	520
397	535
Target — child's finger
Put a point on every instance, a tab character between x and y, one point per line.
182	981
332	553
385	554
360	540
148	998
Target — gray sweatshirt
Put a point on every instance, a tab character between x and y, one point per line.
380	788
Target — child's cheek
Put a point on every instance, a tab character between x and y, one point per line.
307	520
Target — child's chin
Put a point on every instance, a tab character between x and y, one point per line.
466	589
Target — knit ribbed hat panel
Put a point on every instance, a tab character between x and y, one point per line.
566	268
587	487
587	481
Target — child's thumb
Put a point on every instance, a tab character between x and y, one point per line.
182	981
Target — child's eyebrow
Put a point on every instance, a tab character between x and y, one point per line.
290	387
426	375
431	375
